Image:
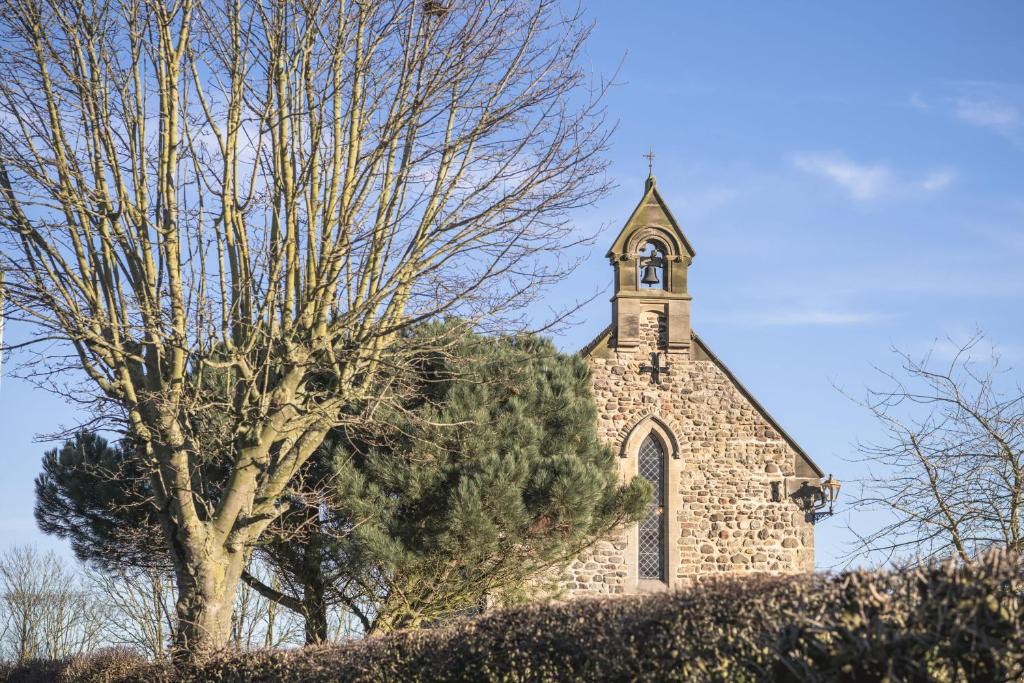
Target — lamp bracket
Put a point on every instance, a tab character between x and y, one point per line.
818	516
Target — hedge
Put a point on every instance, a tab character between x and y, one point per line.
929	623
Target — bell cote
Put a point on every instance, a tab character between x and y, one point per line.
650	257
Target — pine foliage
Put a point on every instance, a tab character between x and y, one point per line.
96	497
491	476
469	490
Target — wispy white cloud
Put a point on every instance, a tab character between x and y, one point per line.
917	101
1000	116
936	180
810	317
991	105
862	181
866	182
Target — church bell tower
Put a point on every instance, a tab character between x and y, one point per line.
651	256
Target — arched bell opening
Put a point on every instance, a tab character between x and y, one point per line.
652	267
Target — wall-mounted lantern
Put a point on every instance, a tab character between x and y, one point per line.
826	495
818	498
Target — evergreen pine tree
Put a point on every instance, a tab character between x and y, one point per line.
91	494
488	474
492	476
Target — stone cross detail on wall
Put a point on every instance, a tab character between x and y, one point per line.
655	368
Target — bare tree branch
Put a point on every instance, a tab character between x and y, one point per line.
274	190
948	474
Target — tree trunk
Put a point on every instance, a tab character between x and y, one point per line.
314	603
315	608
206	601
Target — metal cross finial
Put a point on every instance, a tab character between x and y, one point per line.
655	368
650	161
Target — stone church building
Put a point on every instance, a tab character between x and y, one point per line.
730	484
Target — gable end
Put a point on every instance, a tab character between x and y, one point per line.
594	347
804	466
651	211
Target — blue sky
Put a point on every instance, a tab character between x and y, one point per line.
850	175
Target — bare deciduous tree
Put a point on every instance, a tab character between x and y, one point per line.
949	474
3	317
273	190
261	623
44	609
141	608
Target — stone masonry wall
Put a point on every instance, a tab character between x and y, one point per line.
721	517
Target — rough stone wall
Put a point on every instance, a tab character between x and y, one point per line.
721	517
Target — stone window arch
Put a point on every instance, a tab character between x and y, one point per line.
667	241
663	427
652	545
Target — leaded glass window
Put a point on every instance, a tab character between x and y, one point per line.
651	466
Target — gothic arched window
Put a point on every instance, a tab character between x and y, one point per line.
651	548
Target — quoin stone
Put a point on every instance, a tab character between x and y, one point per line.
727	477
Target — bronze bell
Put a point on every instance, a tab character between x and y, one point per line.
650	275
